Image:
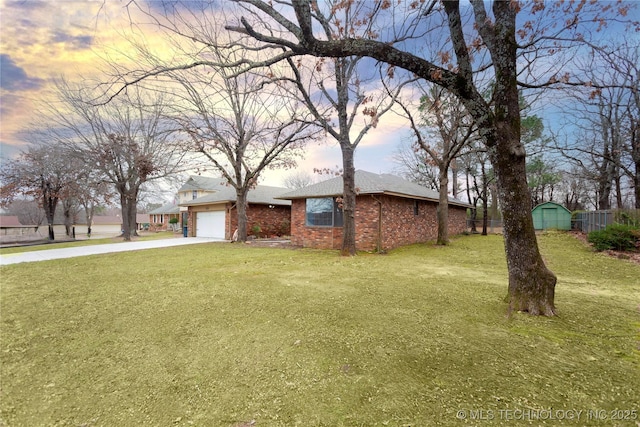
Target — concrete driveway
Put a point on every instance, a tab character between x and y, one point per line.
47	254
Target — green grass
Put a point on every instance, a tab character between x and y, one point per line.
88	242
229	335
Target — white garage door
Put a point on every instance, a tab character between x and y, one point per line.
210	224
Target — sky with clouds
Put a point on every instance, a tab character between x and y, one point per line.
43	40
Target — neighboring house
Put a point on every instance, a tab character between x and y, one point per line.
550	215
390	212
11	230
161	217
108	225
208	206
142	221
10	226
7	221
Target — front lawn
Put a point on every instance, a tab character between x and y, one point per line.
232	335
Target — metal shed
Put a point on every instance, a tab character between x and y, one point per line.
550	215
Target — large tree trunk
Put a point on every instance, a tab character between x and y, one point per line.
348	202
636	184
68	218
474	210
128	200
49	205
618	181
241	207
443	206
635	156
604	194
485	200
531	283
485	216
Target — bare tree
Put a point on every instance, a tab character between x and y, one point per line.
607	147
28	211
298	180
42	172
242	124
491	45
342	88
443	131
129	141
414	165
478	178
90	191
238	124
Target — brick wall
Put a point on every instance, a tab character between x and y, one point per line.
274	221
400	225
312	237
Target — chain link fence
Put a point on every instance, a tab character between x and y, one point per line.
599	220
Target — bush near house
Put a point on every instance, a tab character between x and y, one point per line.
619	237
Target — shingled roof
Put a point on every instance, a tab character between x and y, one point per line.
9	221
222	192
168	209
370	183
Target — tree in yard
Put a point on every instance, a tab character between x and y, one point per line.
412	166
495	44
575	190
478	177
334	91
90	191
342	87
129	141
42	172
607	112
543	178
241	124
443	120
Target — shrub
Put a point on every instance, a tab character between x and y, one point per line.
629	217
256	229
173	220
617	237
284	229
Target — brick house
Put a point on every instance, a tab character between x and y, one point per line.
390	212
159	219
208	208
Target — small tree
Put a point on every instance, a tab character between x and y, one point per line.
442	133
41	172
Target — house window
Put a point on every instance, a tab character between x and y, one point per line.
324	212
194	194
416	210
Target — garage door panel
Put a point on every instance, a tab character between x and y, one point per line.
210	224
